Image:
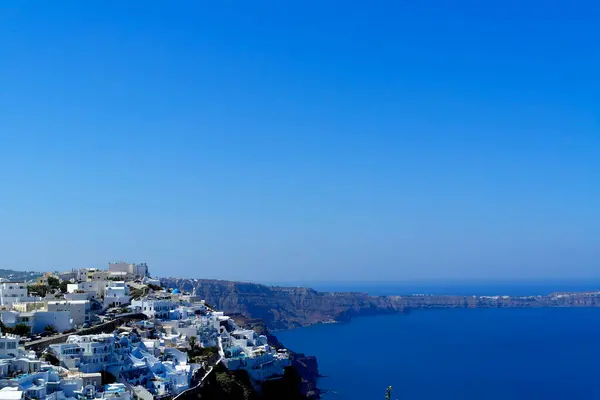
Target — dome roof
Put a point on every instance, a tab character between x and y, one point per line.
176	291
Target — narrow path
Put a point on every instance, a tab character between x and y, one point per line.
208	372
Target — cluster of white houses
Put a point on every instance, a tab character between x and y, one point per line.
144	358
88	292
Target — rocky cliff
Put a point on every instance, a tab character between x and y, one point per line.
222	384
289	307
271	307
285	307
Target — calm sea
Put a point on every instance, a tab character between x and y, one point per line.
533	354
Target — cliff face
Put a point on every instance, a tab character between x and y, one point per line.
285	307
290	307
264	307
222	384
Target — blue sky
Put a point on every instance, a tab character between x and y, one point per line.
313	140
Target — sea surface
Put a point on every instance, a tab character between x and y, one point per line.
508	354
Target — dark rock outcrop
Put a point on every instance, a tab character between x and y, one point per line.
304	367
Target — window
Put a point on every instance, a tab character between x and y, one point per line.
2	345
11	345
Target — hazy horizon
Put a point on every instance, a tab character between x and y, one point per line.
302	142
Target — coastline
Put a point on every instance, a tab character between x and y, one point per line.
274	309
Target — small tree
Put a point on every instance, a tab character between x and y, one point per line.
63	286
53	282
50	329
38	290
21	330
51	358
193	342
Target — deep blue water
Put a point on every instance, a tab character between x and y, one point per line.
464	354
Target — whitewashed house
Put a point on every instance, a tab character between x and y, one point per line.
154	308
79	310
13	292
126	358
11	393
37	320
116	294
244	349
116	391
132	270
95	289
9	345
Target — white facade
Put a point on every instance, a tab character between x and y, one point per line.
116	391
78	296
116	294
9	345
11	393
154	308
135	270
28	306
151	281
127	357
33	384
99	275
244	349
37	320
79	310
12	292
96	289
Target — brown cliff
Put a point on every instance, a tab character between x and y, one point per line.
289	307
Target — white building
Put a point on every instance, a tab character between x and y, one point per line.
98	275
116	391
116	294
127	358
245	349
78	296
32	384
79	310
37	320
28	306
151	281
9	345
96	289
154	308
134	270
12	292
11	393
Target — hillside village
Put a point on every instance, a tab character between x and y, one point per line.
115	333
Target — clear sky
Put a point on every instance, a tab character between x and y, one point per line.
302	140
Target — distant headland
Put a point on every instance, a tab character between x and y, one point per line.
290	307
